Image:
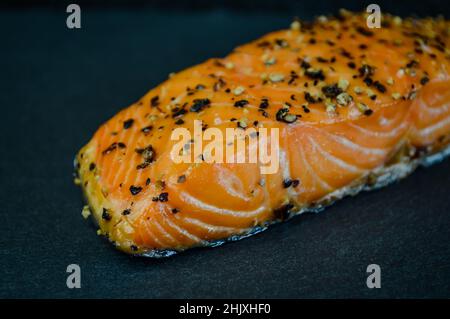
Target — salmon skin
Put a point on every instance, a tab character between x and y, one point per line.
356	108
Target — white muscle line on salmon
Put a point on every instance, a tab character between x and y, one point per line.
220	211
431	129
150	233
389	134
165	233
388	121
332	158
402	118
348	143
228	180
312	172
433	111
184	232
209	227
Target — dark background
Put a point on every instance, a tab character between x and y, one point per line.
58	85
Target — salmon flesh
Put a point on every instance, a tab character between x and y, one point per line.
355	109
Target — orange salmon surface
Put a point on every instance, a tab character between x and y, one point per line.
354	108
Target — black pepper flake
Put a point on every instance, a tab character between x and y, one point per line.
179	122
163	197
287	183
91	166
264	104
368	112
241	103
154	101
310	99
283	212
366	70
331	91
112	147
147	182
290	182
126	212
424	80
293	77
282	43
368	81
346	54
351	65
147	129
128	123
176	112
412	64
148	154
283	115
241	125
219	84
305	109
181	179
315	74
364	31
106	215
380	87
133	248
199	105
134	190
264	44
175	210
304	65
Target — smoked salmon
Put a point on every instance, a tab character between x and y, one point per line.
355	108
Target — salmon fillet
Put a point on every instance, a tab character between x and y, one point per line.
355	108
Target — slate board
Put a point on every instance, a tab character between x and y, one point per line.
58	85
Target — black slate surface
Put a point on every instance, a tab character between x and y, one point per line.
58	85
